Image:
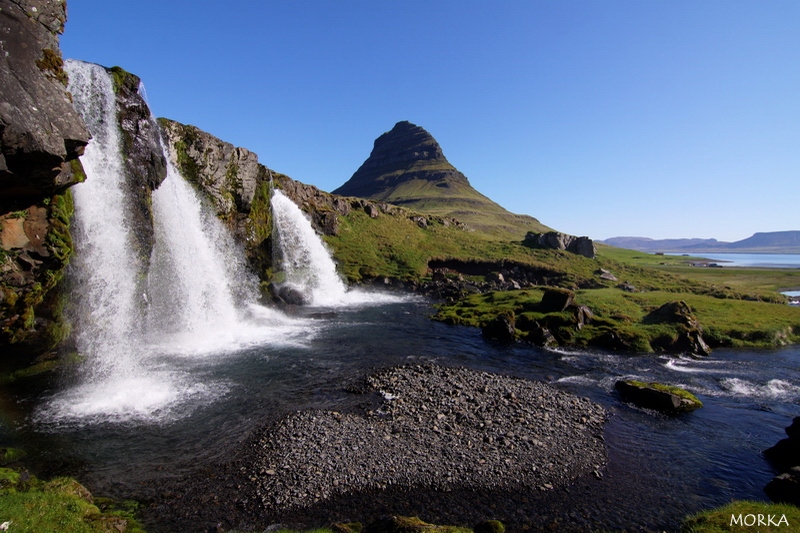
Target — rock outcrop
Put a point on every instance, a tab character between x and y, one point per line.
785	455
41	135
658	397
41	138
561	241
228	175
145	165
689	338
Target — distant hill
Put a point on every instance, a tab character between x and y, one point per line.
408	168
785	242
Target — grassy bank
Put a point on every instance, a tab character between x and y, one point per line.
62	505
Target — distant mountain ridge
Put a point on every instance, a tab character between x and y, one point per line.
408	168
786	242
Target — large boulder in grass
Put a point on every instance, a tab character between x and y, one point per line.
658	397
554	300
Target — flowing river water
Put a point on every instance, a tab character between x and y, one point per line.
659	468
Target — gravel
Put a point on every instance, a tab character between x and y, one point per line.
436	429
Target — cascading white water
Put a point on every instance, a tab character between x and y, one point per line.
104	276
305	261
196	298
307	264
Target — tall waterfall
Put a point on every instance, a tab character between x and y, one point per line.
105	270
132	322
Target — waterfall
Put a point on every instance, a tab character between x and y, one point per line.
307	267
133	316
105	270
305	261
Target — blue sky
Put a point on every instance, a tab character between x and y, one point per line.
600	118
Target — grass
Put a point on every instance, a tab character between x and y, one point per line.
721	519
725	322
59	506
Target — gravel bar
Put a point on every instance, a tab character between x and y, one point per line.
437	428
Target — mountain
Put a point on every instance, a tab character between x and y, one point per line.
787	242
408	168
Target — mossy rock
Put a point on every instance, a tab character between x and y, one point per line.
657	396
349	527
410	524
490	526
10	455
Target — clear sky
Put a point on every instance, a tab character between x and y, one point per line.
603	118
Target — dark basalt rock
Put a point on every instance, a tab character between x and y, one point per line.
40	132
690	339
560	241
785	488
145	164
41	138
669	400
500	329
785	455
554	300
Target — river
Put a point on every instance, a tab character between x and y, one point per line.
659	468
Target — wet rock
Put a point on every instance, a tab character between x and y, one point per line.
662	398
41	134
785	488
500	329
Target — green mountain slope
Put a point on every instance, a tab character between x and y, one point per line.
408	168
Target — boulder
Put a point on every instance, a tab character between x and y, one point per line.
501	328
690	339
554	300
560	241
785	488
658	397
583	316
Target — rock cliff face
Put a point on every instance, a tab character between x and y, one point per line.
237	186
41	137
408	168
40	133
145	164
229	176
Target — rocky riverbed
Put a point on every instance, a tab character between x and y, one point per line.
437	429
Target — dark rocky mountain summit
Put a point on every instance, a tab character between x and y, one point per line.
408	168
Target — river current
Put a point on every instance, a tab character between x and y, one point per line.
659	468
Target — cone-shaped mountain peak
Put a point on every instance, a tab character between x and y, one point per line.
407	167
406	153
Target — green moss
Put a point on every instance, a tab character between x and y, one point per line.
52	64
10	455
724	519
62	505
620	318
677	391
